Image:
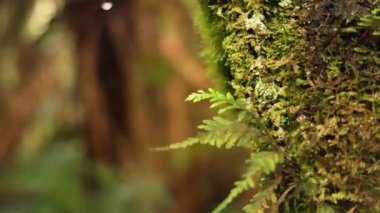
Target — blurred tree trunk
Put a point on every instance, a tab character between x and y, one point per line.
19	106
103	72
20	109
125	115
122	122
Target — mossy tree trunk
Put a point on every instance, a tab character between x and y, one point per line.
310	71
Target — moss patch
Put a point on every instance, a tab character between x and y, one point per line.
311	70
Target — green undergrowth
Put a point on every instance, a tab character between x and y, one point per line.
305	103
60	178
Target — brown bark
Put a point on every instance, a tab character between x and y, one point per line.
21	108
102	75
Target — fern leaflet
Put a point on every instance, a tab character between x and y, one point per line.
219	131
264	199
261	163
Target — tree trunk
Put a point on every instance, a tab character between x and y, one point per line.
310	70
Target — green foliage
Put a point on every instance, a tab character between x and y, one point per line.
212	33
369	21
261	164
264	199
243	129
305	75
61	179
219	131
237	131
225	102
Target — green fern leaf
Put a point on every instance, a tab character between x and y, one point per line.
201	95
218	100
240	187
219	131
264	199
181	145
259	164
258	203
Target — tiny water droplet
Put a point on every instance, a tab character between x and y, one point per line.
107	5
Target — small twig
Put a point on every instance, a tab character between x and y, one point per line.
283	196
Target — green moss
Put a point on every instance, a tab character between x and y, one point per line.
310	69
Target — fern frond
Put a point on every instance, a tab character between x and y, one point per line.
343	196
261	163
264	199
221	132
225	102
240	187
219	126
181	145
200	95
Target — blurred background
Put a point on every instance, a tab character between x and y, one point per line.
87	89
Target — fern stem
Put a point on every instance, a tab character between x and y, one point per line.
283	196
